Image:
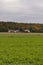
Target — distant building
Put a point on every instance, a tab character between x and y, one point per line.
10	30
15	31
27	31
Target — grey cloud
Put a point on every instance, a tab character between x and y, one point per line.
22	10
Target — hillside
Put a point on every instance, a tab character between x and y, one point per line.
5	26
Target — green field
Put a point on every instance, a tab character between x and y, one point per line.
21	49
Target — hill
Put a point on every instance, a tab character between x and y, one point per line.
5	26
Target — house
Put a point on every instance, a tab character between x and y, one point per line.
27	31
15	31
10	30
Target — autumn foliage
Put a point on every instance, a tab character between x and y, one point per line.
5	26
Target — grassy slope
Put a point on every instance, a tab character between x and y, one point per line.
21	49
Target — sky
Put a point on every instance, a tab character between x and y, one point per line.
27	11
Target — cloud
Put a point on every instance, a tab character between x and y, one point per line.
22	10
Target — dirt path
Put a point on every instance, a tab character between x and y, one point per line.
22	33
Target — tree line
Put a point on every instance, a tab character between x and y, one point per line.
5	26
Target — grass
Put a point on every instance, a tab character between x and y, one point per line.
21	49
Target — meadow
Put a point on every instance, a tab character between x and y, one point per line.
21	49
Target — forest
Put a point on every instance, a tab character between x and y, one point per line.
36	28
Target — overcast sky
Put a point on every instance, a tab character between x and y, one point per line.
22	10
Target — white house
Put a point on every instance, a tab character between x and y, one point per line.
15	31
10	30
27	31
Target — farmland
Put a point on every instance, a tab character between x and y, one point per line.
21	49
